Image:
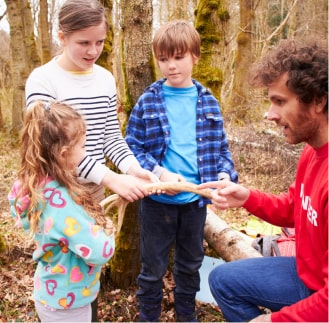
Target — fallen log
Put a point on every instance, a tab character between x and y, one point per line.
230	244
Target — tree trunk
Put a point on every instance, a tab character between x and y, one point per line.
208	17
125	264
237	103
23	53
19	69
5	77
137	52
138	72
105	59
32	59
44	32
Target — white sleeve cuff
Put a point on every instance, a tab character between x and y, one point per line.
158	171
223	175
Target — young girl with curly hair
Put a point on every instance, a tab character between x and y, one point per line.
72	237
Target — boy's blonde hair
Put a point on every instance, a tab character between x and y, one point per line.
176	37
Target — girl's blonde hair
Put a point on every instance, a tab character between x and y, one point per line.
48	129
176	37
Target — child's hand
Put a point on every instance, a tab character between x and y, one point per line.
171	177
137	171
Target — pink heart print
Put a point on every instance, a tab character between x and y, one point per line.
107	250
76	275
83	251
51	285
54	197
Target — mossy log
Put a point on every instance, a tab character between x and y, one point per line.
230	244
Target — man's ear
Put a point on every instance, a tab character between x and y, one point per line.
320	104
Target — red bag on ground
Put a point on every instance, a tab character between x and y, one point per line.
277	245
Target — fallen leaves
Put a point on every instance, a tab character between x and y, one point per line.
114	305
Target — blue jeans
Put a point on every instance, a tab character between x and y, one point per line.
239	287
161	226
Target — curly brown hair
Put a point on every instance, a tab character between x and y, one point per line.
305	61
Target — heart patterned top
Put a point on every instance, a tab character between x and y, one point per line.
70	249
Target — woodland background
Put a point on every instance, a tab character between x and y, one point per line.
234	33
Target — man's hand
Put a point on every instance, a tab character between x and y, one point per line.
227	194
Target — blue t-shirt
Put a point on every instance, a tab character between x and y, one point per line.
181	155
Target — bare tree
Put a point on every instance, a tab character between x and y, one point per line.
23	53
45	31
309	17
237	103
5	78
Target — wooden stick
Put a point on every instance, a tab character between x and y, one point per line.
116	200
163	186
178	186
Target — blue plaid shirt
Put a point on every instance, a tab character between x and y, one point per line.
148	133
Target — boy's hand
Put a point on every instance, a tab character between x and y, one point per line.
171	177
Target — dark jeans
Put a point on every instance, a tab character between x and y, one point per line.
161	225
239	287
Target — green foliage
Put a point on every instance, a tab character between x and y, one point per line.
210	39
127	103
212	76
104	59
213	4
224	15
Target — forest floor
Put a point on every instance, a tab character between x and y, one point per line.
263	161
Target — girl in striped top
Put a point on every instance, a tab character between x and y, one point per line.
74	78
